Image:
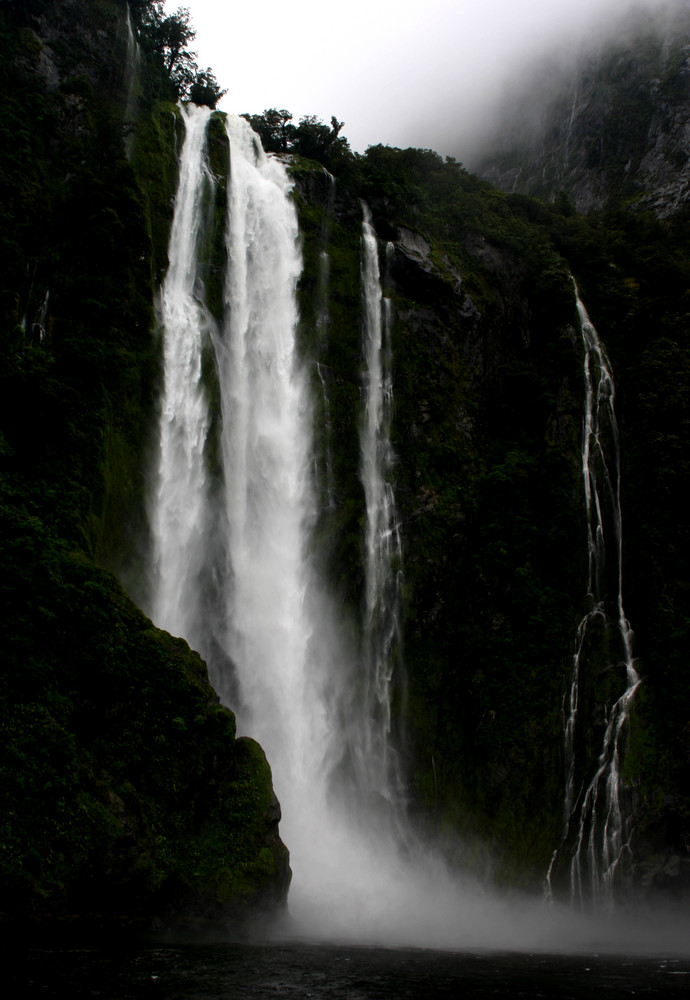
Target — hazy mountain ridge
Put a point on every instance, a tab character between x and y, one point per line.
615	128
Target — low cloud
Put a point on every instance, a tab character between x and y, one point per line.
396	73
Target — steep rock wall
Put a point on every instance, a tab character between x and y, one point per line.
126	798
616	128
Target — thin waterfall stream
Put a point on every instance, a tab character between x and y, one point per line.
383	548
179	508
596	821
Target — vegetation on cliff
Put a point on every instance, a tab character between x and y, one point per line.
121	780
123	792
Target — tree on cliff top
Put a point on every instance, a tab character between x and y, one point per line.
169	36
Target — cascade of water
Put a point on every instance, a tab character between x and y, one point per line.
328	480
179	505
296	675
132	63
38	328
267	458
383	551
596	814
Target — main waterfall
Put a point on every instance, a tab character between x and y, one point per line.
233	572
179	510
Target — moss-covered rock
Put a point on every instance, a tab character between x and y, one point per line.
125	795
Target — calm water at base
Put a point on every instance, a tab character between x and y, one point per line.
322	972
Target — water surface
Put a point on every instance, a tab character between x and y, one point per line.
320	971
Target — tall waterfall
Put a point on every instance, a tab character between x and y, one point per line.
383	550
267	450
597	827
232	566
179	510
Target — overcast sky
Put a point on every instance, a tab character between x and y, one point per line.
423	73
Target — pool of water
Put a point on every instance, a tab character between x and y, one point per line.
308	970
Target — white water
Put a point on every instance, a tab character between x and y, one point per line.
594	812
179	510
267	452
383	549
132	71
297	685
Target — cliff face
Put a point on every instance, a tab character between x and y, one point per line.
486	385
125	795
122	780
617	129
487	432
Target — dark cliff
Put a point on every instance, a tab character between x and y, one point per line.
125	795
487	432
122	779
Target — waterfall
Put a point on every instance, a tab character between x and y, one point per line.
267	450
180	504
233	513
233	569
132	68
383	551
323	463
594	813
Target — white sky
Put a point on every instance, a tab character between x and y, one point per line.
401	72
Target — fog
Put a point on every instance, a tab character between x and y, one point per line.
397	72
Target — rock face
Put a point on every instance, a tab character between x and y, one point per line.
486	483
487	417
616	131
126	798
124	789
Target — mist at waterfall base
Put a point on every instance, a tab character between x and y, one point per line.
233	572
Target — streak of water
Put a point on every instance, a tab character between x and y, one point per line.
594	813
179	508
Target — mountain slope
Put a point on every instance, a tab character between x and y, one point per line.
615	128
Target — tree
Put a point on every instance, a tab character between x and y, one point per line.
311	138
171	38
205	89
168	36
273	129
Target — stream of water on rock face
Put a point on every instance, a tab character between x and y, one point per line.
595	814
132	73
179	510
383	549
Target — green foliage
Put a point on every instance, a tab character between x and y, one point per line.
119	771
205	90
167	37
310	138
